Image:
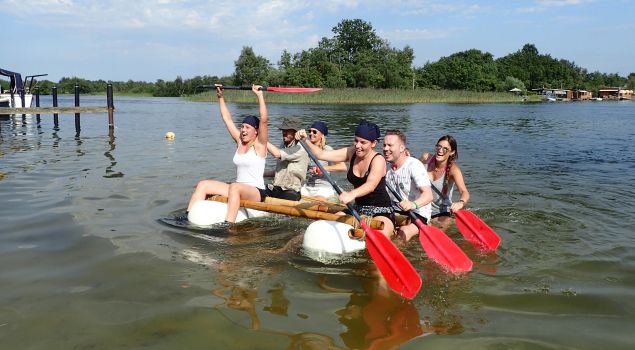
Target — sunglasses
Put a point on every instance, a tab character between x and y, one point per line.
445	149
313	131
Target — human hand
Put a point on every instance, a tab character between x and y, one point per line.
407	205
300	135
220	92
457	206
257	89
346	197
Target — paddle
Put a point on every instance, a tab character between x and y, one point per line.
264	88
400	275
437	245
474	229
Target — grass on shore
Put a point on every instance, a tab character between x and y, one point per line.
370	96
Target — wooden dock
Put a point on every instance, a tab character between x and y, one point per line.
54	110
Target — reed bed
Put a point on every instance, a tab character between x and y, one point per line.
369	96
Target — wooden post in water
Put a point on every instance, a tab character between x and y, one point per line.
37	103
77	122
55	119
23	103
111	107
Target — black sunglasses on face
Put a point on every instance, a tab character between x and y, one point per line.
445	149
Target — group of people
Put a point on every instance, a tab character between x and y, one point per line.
426	185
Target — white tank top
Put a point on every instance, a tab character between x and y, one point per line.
250	168
440	204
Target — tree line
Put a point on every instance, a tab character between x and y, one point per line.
356	57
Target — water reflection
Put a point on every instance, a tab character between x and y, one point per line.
310	341
377	318
110	173
253	279
554	181
238	298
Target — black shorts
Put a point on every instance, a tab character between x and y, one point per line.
263	194
445	213
278	192
372	211
405	213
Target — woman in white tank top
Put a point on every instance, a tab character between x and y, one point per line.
252	138
445	175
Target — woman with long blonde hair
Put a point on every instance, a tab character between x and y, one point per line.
316	185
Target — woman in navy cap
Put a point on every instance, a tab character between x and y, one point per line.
366	172
316	185
251	138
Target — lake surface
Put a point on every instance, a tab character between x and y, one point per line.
88	262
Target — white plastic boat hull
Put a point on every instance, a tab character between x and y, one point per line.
330	237
5	101
206	213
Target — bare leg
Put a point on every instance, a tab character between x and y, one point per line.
236	193
389	227
408	231
442	222
207	187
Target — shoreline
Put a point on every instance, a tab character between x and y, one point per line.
371	96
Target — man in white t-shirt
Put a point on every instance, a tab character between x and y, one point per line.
409	177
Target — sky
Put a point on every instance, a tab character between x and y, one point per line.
146	40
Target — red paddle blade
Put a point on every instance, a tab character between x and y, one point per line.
476	231
442	250
400	275
292	89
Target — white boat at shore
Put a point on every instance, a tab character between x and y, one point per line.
19	94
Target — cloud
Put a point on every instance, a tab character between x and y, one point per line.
410	35
430	7
543	5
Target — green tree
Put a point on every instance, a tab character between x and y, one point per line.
396	67
536	70
630	82
67	86
467	70
250	68
512	82
355	37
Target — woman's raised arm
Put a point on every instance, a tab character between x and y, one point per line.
263	129
226	115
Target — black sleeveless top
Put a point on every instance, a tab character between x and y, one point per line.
378	197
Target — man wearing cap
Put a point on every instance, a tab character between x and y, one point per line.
291	165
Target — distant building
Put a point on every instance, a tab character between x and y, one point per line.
554	94
581	95
615	93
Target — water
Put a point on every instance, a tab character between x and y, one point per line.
88	263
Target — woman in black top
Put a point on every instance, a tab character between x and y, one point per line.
367	172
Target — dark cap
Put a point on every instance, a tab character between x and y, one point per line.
324	129
290	123
252	120
367	130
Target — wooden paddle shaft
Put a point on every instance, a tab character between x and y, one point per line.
328	207
295	211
